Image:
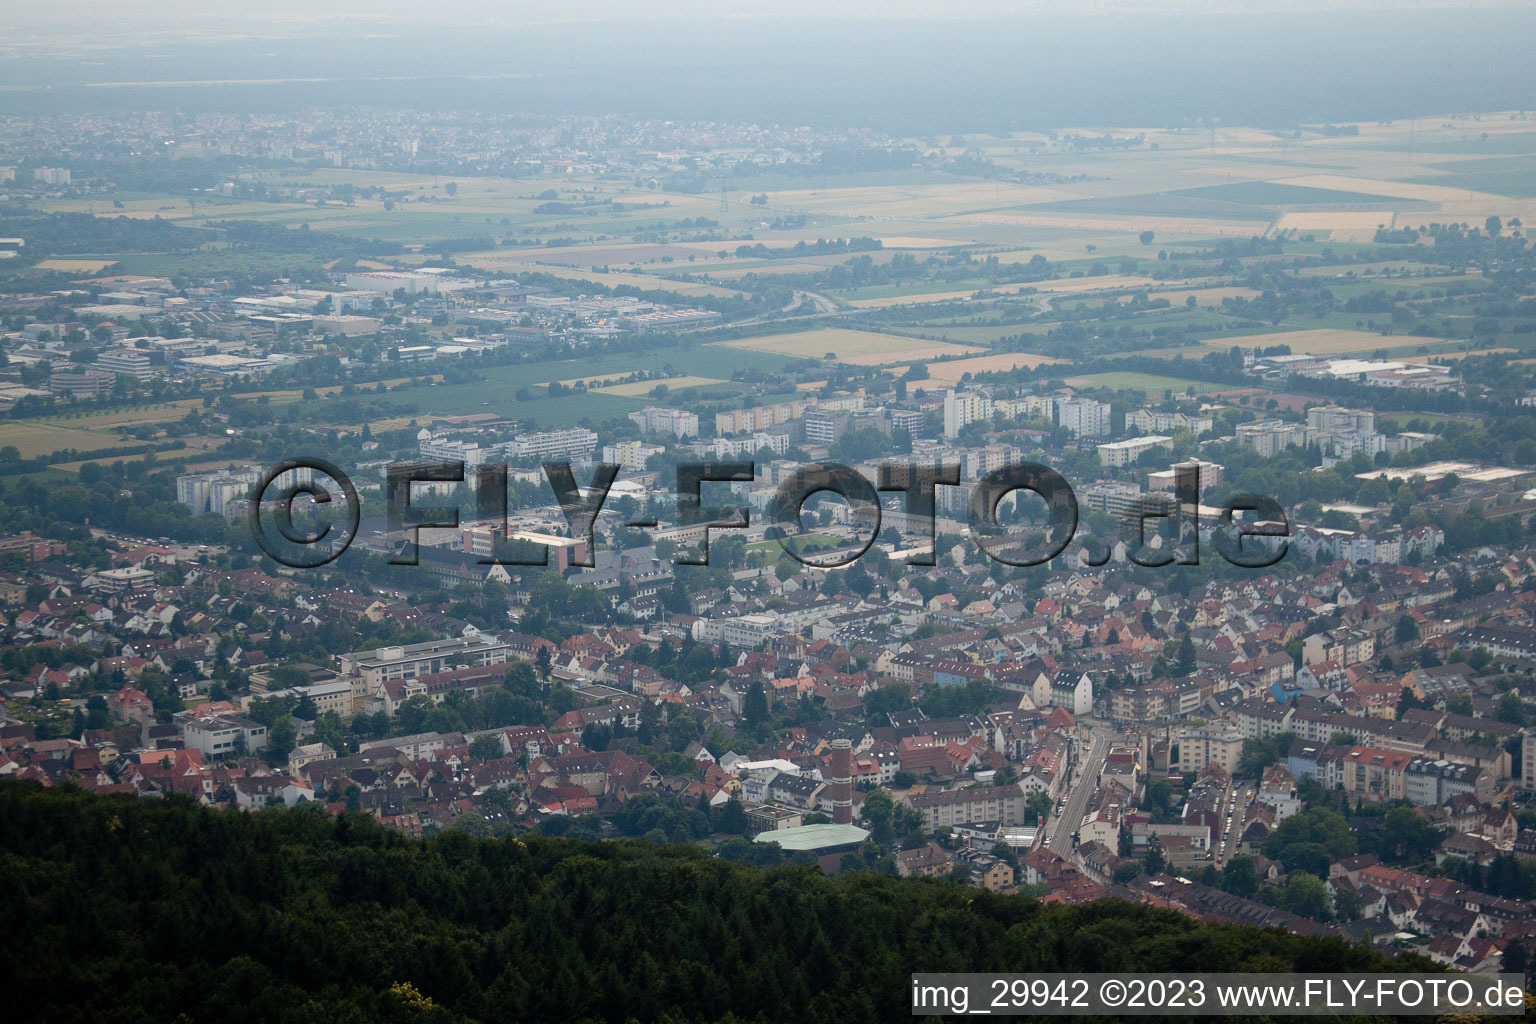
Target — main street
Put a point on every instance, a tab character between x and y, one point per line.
1239	795
1063	825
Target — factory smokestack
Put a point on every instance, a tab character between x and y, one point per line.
842	782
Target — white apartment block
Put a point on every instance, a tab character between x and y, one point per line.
1084	417
575	443
1154	422
1271	437
1333	419
631	456
677	422
1124	453
472	454
963	408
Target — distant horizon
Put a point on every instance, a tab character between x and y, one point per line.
285	18
1031	70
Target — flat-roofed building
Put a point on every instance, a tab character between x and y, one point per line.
1124	453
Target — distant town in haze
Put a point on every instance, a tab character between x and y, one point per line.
1336	738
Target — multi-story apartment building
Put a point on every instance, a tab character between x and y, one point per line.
1084	417
1207	745
1427	782
366	669
1271	437
471	454
962	408
760	417
1528	761
631	456
1367	773
910	420
941	808
212	492
677	422
1333	419
575	443
1124	453
222	735
1344	646
1154	422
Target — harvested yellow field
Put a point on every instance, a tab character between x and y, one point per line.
507	264
1067	285
857	348
718	273
1343	225
77	266
1206	296
1324	341
911	242
950	371
642	388
1381	187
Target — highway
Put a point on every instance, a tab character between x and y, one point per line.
1062	826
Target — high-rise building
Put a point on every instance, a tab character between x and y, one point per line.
1270	437
1528	760
1084	417
1335	419
965	407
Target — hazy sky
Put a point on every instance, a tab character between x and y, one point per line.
898	65
106	20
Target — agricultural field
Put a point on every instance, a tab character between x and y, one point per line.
1206	296
525	263
1119	224
1149	382
911	298
1339	225
1452	354
859	348
643	388
164	412
1341	190
1513	176
950	371
74	266
913	201
34	439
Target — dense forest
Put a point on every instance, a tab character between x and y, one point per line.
119	909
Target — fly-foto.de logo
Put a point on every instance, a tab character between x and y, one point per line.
913	486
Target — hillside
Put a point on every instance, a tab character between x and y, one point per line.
119	909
